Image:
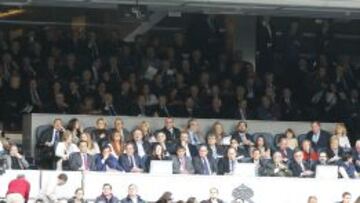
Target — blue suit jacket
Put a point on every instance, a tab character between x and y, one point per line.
110	162
125	163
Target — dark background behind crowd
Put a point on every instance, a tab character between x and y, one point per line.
190	74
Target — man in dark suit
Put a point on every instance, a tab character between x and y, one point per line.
119	126
214	197
168	147
82	161
299	167
241	135
203	164
283	148
356	155
130	161
47	142
228	164
319	138
181	163
141	146
172	133
275	167
106	161
132	196
215	150
190	150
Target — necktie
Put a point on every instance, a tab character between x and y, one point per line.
206	167
182	164
57	137
131	162
86	167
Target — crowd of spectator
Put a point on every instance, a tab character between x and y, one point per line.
59	71
190	150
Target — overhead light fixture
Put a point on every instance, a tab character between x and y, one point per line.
11	12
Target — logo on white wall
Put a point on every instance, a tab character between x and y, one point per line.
242	194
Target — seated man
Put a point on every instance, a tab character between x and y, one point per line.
107	195
190	149
214	197
275	167
132	196
299	167
106	162
284	149
347	167
171	132
181	163
15	160
82	161
130	161
203	164
215	150
228	164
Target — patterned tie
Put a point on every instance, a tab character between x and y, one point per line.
85	162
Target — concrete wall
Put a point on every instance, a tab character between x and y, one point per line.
32	121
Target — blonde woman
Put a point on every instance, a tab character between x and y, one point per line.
341	133
218	130
63	150
144	126
93	147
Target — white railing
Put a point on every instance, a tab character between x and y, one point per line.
265	189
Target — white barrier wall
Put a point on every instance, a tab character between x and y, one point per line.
279	190
32	121
265	189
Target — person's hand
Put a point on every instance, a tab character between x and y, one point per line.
48	144
18	155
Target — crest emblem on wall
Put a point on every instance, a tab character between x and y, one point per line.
242	194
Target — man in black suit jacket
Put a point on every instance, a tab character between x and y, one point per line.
214	197
82	161
141	146
228	164
216	151
203	164
130	161
299	167
286	152
190	149
47	142
319	138
241	135
172	133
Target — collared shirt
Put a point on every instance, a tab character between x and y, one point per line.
140	148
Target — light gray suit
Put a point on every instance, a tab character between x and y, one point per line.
188	165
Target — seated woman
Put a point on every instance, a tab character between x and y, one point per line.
341	134
116	144
291	137
334	152
157	153
93	147
222	138
100	134
149	136
262	145
106	161
63	151
75	129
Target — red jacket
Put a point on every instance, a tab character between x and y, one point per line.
19	186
